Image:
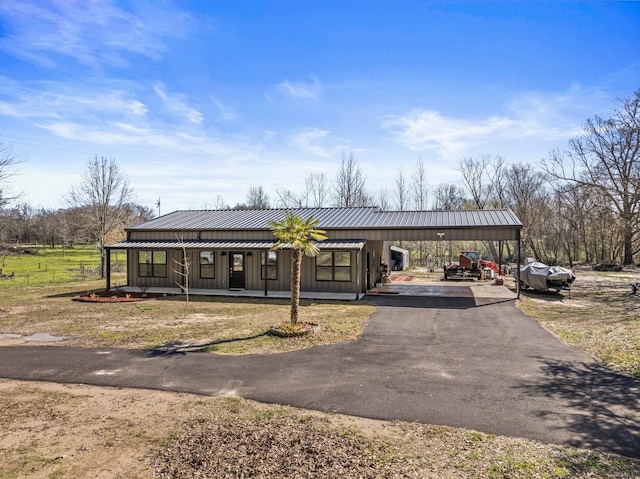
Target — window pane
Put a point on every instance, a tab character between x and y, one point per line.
144	257
160	270
270	258
206	257
238	262
343	274
324	273
342	258
272	272
144	270
324	259
206	271
159	257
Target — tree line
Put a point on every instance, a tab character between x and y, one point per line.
580	204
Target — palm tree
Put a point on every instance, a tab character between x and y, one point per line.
300	235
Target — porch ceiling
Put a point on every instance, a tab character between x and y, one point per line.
229	245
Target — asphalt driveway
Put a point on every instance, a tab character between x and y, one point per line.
459	359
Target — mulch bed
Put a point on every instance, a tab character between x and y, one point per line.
286	331
273	448
107	299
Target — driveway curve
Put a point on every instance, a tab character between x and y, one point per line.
455	360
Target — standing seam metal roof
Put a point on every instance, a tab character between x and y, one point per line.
332	218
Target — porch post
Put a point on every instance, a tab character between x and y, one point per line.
518	266
108	269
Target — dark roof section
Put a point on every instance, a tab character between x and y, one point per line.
331	218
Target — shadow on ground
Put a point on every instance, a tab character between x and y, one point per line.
598	396
179	347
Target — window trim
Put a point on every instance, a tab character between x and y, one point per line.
335	268
212	264
152	265
264	265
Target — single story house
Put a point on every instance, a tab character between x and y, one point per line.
232	249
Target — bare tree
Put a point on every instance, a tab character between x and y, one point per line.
448	197
383	199
183	266
419	185
7	161
103	197
349	189
257	198
401	192
606	156
318	189
290	199
216	204
476	180
525	187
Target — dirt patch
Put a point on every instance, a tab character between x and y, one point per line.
74	431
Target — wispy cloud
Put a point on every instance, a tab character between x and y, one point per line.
177	104
427	129
300	90
113	115
318	142
528	115
55	100
93	33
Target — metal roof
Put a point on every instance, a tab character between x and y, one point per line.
331	218
229	245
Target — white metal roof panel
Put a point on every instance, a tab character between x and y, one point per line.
332	218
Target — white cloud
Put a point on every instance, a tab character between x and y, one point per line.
176	103
317	142
426	129
300	90
541	117
93	33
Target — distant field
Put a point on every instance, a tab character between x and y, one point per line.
41	267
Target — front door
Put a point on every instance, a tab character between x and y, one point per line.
236	271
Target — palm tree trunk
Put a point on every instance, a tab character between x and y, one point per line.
296	260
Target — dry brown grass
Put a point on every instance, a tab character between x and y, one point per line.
599	316
227	325
74	431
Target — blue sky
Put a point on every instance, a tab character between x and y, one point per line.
206	98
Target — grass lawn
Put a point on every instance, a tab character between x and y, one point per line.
50	266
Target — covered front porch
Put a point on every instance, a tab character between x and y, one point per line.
245	293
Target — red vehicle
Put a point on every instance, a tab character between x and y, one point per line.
469	266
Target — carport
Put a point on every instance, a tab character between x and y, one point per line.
460	225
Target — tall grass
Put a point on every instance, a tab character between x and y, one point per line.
41	267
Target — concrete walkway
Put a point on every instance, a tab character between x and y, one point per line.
460	360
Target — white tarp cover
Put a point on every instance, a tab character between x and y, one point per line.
536	274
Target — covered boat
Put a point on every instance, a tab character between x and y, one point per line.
541	277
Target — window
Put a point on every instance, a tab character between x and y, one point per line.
152	263
269	263
207	264
333	266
